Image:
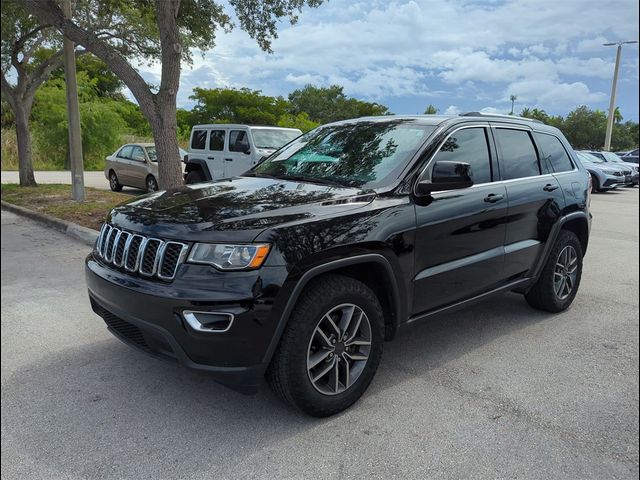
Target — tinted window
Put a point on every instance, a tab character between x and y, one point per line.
468	145
199	139
125	152
137	154
519	158
216	140
368	154
238	141
554	153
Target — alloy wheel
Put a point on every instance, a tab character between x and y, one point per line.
566	272
339	349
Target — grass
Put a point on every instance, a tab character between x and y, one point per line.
55	200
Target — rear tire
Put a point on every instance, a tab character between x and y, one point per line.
559	281
311	344
114	183
194	176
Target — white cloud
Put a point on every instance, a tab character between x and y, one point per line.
452	110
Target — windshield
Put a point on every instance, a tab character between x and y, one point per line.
151	153
612	157
587	157
356	154
272	138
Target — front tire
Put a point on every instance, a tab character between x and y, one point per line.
595	184
194	176
559	281
151	183
331	347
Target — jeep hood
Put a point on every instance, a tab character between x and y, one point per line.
237	209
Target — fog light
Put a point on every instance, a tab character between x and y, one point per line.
210	322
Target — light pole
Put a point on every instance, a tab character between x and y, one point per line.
612	102
513	99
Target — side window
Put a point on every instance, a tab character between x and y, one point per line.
199	140
519	157
554	153
137	154
468	145
125	152
238	141
216	140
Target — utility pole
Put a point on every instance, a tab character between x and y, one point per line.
73	115
614	84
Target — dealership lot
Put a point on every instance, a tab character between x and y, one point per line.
496	391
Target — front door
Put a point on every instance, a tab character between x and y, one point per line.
460	234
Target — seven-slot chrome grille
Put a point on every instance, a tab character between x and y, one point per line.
147	256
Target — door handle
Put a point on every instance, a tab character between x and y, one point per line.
493	198
229	159
211	158
549	187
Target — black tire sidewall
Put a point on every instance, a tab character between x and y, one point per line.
303	393
114	183
194	176
152	184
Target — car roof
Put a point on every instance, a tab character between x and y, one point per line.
237	125
441	120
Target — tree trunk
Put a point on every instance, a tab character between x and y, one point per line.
164	128
25	161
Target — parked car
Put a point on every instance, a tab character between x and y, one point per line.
302	267
630	157
134	165
604	176
629	169
222	151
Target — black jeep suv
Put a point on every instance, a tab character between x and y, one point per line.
301	268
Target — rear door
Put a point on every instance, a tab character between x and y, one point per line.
460	233
534	195
238	155
216	152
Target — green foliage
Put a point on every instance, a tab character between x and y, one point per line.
101	123
300	121
586	128
329	104
236	106
431	110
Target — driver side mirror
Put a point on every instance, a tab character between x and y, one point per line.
446	176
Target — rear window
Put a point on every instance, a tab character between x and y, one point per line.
554	153
216	140
519	157
199	139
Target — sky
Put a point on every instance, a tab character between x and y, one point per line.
458	55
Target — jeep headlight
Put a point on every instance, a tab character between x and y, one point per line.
229	257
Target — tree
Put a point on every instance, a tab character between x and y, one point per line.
164	30
228	105
329	104
431	110
585	128
22	36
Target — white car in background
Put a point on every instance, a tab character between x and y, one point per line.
134	165
219	151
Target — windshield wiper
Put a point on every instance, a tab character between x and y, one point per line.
303	178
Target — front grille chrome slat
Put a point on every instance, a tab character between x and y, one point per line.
137	254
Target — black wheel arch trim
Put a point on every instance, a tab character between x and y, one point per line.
198	163
328	267
553	235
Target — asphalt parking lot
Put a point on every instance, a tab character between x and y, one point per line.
497	391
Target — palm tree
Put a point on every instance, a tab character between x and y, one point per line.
513	101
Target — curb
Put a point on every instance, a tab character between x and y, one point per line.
86	235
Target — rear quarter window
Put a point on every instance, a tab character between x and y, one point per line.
554	153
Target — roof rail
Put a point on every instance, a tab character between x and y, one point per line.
499	115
